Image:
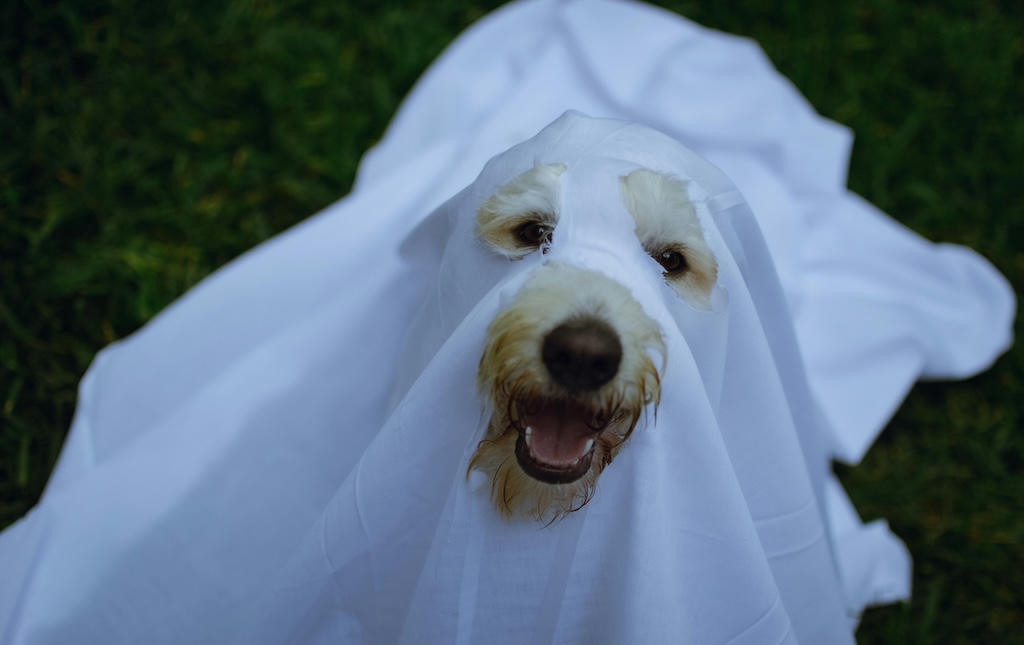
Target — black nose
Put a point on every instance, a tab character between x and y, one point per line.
582	354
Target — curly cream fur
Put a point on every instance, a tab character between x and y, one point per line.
666	220
511	370
511	367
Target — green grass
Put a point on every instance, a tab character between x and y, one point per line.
142	145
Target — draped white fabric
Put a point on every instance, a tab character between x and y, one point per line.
280	456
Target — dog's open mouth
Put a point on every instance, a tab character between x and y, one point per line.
557	438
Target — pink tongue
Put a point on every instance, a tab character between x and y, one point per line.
559	433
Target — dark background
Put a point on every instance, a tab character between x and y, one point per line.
144	144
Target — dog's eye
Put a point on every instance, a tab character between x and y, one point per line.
534	233
672	261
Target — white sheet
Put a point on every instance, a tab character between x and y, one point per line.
235	473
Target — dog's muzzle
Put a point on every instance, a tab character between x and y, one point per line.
556	443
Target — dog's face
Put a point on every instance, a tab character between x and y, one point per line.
572	364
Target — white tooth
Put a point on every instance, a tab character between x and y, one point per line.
590	444
528	432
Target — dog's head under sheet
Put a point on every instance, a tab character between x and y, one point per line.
571	365
592	247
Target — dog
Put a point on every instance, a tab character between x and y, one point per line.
572	364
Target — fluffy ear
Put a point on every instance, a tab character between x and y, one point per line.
521	216
669	230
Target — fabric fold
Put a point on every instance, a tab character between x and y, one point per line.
282	455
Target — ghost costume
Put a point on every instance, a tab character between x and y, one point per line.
281	455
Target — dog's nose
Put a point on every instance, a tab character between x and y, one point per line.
582	354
